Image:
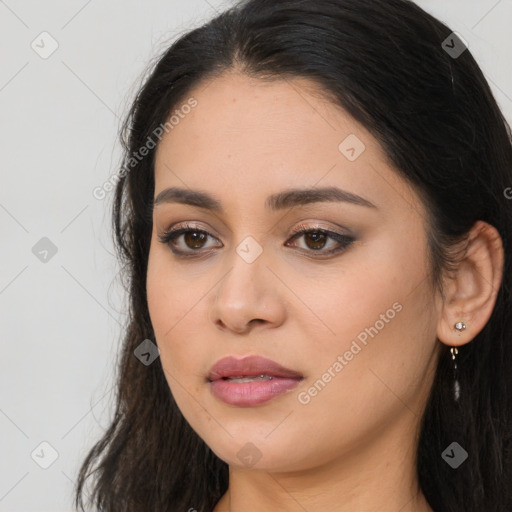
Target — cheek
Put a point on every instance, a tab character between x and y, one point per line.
374	369
171	301
376	315
365	291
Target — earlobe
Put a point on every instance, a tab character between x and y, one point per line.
471	290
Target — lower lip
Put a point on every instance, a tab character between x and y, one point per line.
247	394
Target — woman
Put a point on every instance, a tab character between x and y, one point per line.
314	218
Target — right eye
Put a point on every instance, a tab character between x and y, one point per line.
193	238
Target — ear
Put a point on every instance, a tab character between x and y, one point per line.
471	290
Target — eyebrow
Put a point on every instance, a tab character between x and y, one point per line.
275	202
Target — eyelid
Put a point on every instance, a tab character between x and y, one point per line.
316	226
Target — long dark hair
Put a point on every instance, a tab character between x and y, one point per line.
431	109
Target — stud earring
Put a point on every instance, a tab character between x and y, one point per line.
456	385
460	326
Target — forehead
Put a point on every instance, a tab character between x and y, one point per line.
235	109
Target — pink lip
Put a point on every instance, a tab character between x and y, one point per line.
247	394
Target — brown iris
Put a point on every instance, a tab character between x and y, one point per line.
318	239
194	237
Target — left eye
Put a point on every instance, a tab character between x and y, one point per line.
315	238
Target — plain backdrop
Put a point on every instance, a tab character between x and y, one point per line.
61	304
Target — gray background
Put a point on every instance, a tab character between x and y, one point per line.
61	313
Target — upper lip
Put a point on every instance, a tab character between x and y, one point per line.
248	367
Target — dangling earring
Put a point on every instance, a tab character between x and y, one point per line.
456	385
459	326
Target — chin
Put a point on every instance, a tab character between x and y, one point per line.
261	455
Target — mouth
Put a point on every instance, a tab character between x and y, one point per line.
250	381
250	367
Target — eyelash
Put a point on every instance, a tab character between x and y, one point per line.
171	235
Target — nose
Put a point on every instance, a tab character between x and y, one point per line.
248	295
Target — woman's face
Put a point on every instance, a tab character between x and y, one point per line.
353	316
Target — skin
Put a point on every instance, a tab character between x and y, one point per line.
353	445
